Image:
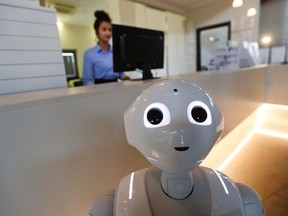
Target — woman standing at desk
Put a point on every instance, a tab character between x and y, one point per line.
98	61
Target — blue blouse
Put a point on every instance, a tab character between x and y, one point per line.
98	64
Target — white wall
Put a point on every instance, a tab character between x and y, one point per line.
273	21
156	19
140	15
77	37
113	10
84	15
176	33
128	13
243	28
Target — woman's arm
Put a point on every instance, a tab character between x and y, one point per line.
88	77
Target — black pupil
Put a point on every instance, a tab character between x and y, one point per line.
199	114
155	116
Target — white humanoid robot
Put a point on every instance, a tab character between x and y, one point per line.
175	124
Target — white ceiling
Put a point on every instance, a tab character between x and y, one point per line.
85	8
183	5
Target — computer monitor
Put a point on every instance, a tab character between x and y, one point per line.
70	63
137	48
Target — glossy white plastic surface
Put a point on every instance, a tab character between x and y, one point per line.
131	197
179	142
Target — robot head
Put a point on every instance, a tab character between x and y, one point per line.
174	124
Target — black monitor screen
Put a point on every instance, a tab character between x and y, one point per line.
137	48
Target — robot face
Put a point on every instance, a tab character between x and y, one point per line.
174	124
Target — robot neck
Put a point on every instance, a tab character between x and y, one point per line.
177	185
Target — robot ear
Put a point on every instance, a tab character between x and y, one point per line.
156	115
199	113
129	129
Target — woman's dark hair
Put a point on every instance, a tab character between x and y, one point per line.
101	16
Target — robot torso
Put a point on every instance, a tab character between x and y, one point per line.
213	194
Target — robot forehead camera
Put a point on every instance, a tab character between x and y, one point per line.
174	124
172	87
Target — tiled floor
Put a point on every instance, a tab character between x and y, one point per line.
256	154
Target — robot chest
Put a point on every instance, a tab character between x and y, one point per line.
140	194
198	203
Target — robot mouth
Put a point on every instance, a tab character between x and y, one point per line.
181	148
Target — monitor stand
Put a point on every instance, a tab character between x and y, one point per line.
146	73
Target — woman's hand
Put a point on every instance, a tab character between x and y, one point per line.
126	77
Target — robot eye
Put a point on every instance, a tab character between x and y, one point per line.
156	115
199	113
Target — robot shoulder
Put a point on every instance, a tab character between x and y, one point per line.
131	197
103	204
251	201
225	197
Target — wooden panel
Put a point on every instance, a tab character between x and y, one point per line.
29	43
30	57
21	3
27	15
31	84
30	50
28	29
20	71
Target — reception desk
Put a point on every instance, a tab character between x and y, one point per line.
60	148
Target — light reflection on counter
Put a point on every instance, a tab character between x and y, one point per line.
263	114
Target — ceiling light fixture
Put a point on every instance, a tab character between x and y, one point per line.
211	39
251	12
266	40
237	3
